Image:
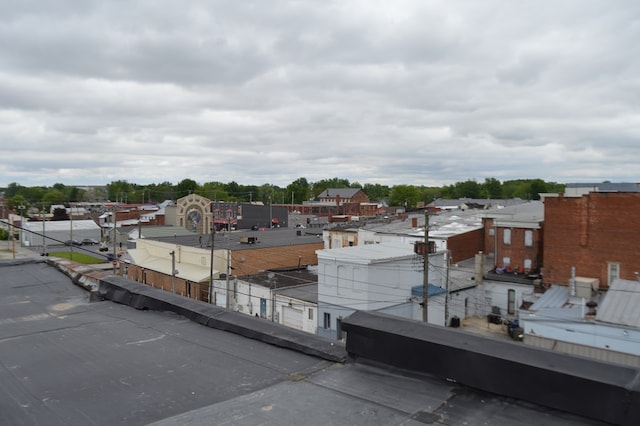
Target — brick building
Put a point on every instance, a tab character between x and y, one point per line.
597	233
241	253
513	237
337	202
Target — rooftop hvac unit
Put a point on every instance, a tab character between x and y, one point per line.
585	286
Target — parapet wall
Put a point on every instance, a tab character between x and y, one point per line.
127	292
585	387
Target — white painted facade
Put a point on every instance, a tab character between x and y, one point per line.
258	300
370	277
56	232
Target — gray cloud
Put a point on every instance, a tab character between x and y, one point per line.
410	92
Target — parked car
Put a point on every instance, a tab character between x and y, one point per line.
111	256
89	242
103	247
72	242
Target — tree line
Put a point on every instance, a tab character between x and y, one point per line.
298	191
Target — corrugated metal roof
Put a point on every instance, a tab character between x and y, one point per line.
621	305
62	225
555	297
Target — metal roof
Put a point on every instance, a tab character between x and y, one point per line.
368	253
62	225
338	192
531	212
608	186
304	292
621	304
555	297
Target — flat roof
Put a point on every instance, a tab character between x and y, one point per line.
69	361
276	237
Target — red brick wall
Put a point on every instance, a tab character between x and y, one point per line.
249	262
158	280
465	246
517	251
588	232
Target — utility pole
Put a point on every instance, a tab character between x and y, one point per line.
13	240
425	276
44	241
115	233
173	271
446	296
229	305
213	234
71	230
21	208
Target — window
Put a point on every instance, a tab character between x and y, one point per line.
528	238
527	265
492	232
613	272
327	321
311	314
506	236
506	261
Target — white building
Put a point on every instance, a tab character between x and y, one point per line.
377	277
51	233
286	297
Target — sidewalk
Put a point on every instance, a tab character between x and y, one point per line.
7	252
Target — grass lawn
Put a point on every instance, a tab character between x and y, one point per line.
78	257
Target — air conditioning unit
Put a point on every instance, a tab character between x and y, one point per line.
585	286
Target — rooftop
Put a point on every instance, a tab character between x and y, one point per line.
70	361
276	237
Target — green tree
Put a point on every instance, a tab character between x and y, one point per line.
376	192
491	188
52	197
215	191
16	202
300	189
428	194
404	195
186	187
467	189
162	191
59	214
12	190
119	190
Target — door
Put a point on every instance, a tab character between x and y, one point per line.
263	308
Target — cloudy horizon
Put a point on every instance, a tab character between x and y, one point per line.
410	92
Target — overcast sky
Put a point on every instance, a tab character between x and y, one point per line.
390	92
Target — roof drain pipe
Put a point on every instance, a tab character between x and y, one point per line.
572	282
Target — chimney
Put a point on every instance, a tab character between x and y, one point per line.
479	268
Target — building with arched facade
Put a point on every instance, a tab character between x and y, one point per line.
193	212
